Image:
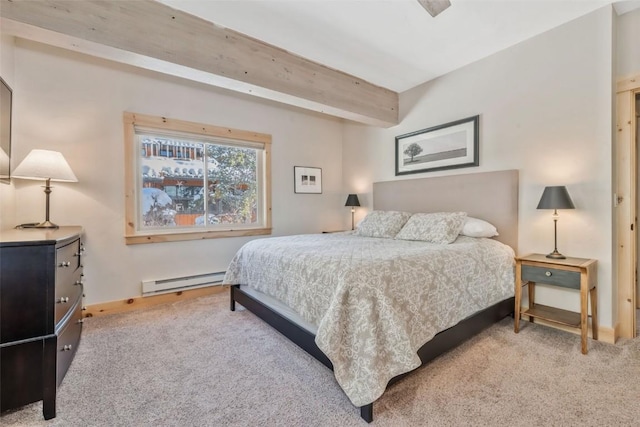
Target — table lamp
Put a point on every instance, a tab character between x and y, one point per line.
44	165
352	200
555	198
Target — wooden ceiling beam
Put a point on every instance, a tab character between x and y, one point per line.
152	35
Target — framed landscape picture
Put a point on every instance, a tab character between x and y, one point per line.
448	146
307	180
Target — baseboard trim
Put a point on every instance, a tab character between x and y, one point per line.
130	304
607	335
616	330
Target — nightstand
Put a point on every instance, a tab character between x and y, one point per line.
572	273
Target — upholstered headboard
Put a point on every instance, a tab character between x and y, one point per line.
492	196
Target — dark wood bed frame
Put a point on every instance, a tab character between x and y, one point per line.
441	343
492	196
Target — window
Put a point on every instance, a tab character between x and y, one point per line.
189	181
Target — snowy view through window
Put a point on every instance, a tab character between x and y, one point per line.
188	184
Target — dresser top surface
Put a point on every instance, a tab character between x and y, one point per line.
14	236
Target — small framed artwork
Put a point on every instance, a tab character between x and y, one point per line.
448	146
307	180
5	132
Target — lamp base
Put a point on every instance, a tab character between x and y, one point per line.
556	255
44	224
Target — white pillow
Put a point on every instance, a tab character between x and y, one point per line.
440	227
384	224
475	227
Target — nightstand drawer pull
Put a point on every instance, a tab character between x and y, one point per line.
67	347
548	274
63	300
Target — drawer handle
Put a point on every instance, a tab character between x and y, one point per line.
78	282
67	347
548	274
80	321
63	300
65	264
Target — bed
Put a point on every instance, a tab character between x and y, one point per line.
371	308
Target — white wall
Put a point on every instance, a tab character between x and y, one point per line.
7	190
628	44
545	109
73	103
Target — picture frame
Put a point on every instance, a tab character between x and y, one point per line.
307	180
449	146
6	101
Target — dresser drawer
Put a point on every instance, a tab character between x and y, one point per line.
551	276
68	283
68	340
67	262
65	301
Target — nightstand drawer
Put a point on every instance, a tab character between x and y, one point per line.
551	276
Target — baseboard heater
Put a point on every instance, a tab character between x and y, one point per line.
176	284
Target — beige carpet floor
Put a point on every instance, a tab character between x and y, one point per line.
195	363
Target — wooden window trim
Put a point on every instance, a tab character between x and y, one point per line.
132	235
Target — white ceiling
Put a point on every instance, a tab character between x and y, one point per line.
395	44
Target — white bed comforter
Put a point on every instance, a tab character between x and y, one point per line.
375	301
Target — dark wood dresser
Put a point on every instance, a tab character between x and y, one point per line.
40	313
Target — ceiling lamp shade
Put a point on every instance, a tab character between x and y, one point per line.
435	7
49	166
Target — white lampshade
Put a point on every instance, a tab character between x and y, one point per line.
45	164
50	166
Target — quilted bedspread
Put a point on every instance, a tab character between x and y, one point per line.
375	301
